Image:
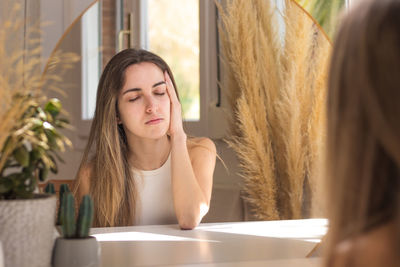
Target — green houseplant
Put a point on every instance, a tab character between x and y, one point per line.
30	139
30	150
28	156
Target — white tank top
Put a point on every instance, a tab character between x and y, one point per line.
154	204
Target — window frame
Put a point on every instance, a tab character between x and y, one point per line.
89	93
207	56
208	67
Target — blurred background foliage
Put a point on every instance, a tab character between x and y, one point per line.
174	35
325	12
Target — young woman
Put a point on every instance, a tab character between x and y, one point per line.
139	166
363	148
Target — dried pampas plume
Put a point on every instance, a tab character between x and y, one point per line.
20	72
277	61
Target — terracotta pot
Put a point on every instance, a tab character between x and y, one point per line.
27	230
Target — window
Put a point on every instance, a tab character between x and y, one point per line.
173	33
91	59
183	32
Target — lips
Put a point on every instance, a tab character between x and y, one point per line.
154	121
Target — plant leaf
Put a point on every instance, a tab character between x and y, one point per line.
21	155
5	185
43	173
53	107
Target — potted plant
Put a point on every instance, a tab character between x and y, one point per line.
29	138
28	156
30	150
75	247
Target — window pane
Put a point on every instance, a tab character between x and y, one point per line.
90	60
174	35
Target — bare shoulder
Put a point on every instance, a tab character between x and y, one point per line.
343	254
374	248
81	185
201	148
201	145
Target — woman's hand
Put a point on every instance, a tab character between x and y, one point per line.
175	125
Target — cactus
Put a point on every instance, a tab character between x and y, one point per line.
85	217
63	189
49	189
67	215
70	227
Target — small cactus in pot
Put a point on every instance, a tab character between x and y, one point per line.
79	228
69	225
75	247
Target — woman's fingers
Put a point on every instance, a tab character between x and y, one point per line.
170	88
176	127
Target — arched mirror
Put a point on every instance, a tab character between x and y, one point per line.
191	45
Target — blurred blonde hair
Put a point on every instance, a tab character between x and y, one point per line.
363	134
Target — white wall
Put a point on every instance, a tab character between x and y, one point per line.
58	15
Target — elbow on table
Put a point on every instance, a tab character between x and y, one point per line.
188	221
188	224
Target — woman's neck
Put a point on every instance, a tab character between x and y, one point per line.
148	154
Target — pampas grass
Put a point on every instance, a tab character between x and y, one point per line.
278	103
20	75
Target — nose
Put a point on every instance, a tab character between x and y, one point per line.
151	106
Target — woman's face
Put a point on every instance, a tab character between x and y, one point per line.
143	102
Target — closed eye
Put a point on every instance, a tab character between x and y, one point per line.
163	93
133	99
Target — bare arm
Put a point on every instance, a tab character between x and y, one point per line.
192	175
192	170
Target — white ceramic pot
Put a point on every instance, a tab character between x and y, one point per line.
77	252
1	256
27	230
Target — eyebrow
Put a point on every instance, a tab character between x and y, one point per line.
138	89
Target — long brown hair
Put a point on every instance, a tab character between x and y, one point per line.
112	186
363	145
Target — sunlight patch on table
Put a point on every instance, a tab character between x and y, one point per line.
140	236
311	230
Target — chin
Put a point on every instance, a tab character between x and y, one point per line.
157	134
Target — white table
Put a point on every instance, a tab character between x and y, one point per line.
261	243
